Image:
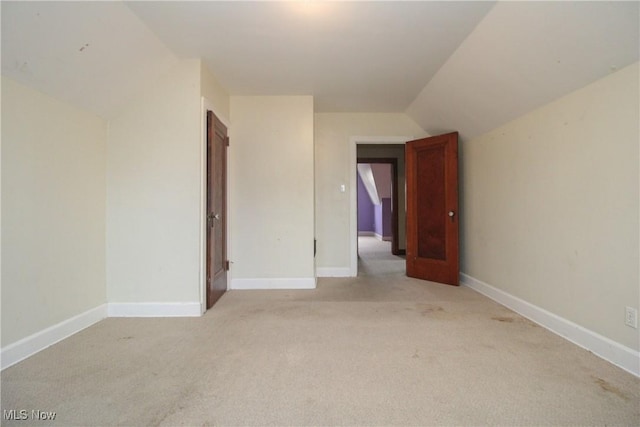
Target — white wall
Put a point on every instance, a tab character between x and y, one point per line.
332	161
550	206
154	192
216	95
271	191
53	211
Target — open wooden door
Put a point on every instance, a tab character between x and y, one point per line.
432	208
217	264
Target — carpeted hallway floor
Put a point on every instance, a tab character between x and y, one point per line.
379	349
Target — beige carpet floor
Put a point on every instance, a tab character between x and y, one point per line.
380	349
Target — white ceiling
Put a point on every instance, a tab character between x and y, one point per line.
467	66
352	56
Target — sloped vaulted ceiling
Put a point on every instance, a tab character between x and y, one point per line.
351	56
94	55
524	55
467	66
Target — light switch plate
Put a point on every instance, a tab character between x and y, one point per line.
631	317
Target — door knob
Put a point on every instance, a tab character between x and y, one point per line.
451	213
210	217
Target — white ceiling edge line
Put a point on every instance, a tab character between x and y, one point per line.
366	174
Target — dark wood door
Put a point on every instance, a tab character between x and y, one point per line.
432	208
217	265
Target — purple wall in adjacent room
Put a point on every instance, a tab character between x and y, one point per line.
377	218
365	208
382	218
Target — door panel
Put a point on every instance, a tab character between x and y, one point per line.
216	209
432	208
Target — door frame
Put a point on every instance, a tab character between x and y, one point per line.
393	162
205	105
354	141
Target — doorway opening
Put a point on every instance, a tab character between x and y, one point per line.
375	258
378	206
431	228
379	250
379	151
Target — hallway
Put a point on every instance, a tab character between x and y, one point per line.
375	258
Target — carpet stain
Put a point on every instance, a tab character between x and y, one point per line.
416	355
125	338
521	320
292	312
431	309
503	319
606	386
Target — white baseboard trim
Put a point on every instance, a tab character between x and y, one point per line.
376	235
611	351
20	350
333	272
283	283
154	309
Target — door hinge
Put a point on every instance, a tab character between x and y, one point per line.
226	140
226	265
